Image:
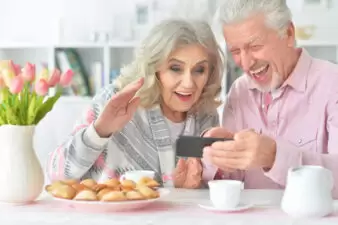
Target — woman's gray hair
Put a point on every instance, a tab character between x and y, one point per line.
155	49
277	13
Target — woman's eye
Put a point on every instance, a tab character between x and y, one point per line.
175	68
200	70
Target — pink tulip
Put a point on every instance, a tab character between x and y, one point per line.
16	85
28	72
66	78
41	87
2	82
8	76
16	68
54	78
44	74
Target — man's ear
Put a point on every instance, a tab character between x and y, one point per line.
291	34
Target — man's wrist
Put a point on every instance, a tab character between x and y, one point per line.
272	156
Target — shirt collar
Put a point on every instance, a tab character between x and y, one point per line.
298	77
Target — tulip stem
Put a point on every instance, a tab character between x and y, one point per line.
25	101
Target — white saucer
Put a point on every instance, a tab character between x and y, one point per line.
239	208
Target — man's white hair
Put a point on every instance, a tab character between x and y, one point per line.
276	12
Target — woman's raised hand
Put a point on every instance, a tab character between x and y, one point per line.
119	110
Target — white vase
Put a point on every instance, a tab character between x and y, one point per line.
21	175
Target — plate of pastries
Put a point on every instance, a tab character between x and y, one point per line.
111	194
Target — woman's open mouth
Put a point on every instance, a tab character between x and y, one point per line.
184	96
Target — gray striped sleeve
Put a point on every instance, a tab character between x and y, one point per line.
75	157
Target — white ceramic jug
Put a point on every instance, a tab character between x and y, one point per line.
21	175
308	192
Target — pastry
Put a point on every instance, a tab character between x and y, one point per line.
146	181
48	188
110	191
80	187
70	181
113	196
51	186
63	191
134	195
99	187
104	191
112	182
128	184
90	183
86	195
147	192
152	184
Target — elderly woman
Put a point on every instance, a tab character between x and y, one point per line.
171	88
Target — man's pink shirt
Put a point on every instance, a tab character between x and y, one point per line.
302	117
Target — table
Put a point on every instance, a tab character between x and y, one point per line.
179	207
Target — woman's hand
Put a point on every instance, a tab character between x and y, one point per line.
119	110
188	173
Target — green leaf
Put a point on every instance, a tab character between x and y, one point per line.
16	107
2	121
32	109
11	116
2	115
46	107
39	100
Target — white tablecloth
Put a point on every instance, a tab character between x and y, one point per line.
180	207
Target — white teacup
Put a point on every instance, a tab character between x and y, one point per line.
225	194
136	175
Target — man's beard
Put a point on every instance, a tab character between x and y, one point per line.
275	83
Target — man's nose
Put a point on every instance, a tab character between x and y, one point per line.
247	61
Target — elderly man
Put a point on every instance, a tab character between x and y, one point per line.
283	112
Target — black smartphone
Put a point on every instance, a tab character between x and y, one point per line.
192	146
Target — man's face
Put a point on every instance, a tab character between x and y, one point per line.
261	52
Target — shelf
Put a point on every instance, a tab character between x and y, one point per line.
111	44
123	44
79	45
316	43
20	45
129	44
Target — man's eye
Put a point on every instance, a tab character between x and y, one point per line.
256	47
235	51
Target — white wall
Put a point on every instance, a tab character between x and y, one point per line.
326	20
37	20
326	23
29	20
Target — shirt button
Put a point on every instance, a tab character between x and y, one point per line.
300	141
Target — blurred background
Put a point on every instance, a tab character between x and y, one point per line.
96	37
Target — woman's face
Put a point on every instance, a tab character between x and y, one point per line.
183	77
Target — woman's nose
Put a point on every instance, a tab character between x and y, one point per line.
187	80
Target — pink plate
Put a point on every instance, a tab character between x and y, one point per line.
111	206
